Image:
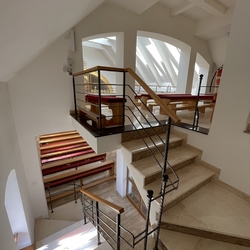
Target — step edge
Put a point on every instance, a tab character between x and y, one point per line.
206	233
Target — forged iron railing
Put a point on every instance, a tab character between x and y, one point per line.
165	187
50	192
211	88
109	226
127	94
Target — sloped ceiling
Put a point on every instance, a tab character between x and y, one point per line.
28	27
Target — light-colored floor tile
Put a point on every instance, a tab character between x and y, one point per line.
213	208
179	241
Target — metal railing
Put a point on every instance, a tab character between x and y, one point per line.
109	226
167	185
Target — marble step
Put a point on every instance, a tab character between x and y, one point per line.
134	135
139	150
191	178
211	212
149	170
170	240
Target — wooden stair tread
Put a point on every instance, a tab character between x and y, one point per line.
58	134
212	209
66	156
68	161
81	170
61	144
60	138
64	151
63	147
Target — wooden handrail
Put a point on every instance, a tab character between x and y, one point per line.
157	99
96	68
99	199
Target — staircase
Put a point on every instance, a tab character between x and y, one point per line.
202	213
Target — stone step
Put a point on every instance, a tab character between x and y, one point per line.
139	149
211	212
149	170
175	241
191	178
134	135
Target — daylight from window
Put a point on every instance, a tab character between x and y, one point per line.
157	62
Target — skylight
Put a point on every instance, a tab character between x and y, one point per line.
140	56
154	51
174	51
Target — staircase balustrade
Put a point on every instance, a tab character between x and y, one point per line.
80	91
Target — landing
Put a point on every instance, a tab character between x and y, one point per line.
140	118
213	208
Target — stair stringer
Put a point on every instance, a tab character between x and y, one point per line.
140	185
140	181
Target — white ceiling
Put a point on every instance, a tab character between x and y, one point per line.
29	26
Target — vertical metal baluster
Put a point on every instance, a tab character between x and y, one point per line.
92	209
150	196
167	146
50	200
99	100
124	94
164	183
196	112
75	194
97	223
118	231
74	90
84	209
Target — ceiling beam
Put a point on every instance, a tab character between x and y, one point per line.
181	8
210	28
212	7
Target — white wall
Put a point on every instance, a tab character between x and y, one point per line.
109	18
227	146
218	48
10	158
95	57
41	97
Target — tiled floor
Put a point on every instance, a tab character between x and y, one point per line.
213	208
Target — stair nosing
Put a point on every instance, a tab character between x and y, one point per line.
214	233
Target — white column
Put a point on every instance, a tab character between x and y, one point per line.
121	174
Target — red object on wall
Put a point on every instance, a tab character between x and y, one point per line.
218	76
